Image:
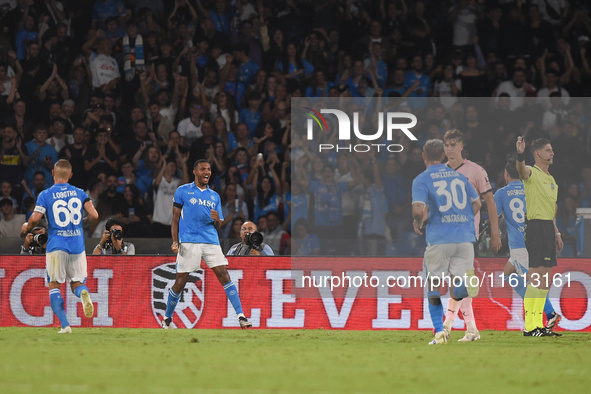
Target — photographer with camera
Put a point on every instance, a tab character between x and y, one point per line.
112	240
35	242
252	243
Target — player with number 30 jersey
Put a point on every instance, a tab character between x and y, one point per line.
451	202
453	221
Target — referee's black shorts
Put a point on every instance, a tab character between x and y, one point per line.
540	241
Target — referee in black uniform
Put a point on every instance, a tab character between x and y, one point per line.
542	238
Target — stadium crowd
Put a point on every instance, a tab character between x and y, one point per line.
133	92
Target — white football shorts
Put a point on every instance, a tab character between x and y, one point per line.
61	266
449	259
190	254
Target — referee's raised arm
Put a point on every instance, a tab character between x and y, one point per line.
524	171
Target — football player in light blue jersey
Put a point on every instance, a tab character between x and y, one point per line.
510	202
448	202
196	217
62	205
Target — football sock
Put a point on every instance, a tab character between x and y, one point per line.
436	309
529	302
540	301
549	309
78	290
453	308
173	299
57	305
233	296
468	314
521	286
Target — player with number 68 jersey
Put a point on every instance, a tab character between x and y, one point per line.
63	205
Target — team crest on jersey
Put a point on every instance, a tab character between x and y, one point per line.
190	305
193	201
212	197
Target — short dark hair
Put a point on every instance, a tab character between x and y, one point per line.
29	202
111	222
511	168
142	120
39	173
539	144
198	162
40	126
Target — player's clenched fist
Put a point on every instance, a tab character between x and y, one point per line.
520	145
175	247
215	215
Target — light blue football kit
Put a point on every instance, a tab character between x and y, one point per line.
450	231
510	202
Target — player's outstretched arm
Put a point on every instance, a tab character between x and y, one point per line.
524	171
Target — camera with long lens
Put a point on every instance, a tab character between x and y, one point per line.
117	234
254	240
39	239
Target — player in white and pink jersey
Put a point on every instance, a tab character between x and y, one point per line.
477	176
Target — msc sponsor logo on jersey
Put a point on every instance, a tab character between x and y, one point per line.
207	203
190	306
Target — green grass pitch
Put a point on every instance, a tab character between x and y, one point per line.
195	361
